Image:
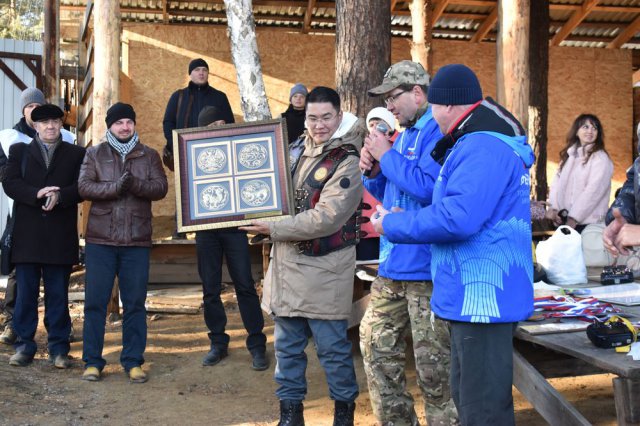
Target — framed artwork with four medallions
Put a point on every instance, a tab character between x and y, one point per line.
228	175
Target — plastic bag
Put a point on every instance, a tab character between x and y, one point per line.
561	257
595	255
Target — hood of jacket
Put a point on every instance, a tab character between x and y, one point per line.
23	127
488	117
350	131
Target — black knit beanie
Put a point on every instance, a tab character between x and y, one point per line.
118	111
199	62
454	84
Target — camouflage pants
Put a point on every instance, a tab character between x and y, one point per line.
395	309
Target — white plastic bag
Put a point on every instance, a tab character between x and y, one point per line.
561	257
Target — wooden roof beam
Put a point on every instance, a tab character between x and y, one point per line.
165	15
486	26
489	3
574	21
394	3
626	34
610	9
308	16
438	10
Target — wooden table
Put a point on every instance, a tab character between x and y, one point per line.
537	357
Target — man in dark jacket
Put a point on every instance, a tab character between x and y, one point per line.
121	177
22	131
42	179
185	104
210	246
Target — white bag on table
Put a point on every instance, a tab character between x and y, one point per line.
562	258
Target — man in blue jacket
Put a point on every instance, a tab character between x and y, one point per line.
479	227
403	176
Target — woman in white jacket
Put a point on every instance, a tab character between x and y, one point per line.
581	188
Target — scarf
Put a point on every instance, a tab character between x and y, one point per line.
123	148
47	149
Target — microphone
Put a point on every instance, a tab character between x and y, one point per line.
384	129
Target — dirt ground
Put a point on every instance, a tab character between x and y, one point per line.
181	391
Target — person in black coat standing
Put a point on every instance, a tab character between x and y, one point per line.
42	179
294	115
185	104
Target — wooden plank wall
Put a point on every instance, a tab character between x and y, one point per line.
10	112
9	92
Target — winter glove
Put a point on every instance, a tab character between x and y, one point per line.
124	183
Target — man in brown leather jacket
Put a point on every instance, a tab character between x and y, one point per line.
121	177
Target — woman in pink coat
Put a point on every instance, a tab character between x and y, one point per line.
581	188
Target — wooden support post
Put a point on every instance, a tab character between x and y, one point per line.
421	30
106	65
538	94
106	80
51	51
625	392
513	57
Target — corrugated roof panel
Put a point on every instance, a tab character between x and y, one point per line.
459	24
465	8
462	27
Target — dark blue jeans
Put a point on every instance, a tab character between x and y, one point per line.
56	307
131	266
334	353
210	246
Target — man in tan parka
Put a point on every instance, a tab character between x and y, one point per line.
309	284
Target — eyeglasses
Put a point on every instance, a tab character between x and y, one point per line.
391	100
312	120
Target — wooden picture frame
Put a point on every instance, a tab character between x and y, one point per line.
226	176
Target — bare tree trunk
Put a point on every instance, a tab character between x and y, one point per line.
51	63
244	51
421	11
538	94
106	64
363	51
513	57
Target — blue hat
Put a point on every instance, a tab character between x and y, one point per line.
298	88
454	84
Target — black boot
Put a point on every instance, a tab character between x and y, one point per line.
291	413
343	413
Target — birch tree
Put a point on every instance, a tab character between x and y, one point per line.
244	52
